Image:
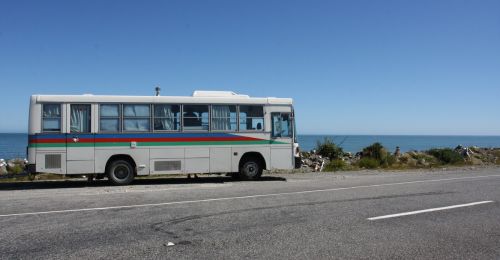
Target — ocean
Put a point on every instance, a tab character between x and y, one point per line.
14	145
356	143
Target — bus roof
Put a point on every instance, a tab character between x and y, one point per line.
198	97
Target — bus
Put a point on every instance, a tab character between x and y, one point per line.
121	137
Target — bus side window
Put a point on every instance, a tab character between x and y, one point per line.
166	117
80	118
282	125
136	117
109	118
251	118
224	118
51	118
195	117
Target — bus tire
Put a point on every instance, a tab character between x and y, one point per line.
120	172
250	169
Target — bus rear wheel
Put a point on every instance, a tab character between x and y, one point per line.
250	169
120	172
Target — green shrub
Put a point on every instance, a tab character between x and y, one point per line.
446	156
17	169
375	156
368	163
335	165
376	151
329	149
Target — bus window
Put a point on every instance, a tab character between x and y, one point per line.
136	118
166	117
282	125
195	117
251	118
224	118
80	118
109	118
51	118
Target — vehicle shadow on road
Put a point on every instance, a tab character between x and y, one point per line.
82	183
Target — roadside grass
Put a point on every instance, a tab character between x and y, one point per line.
336	165
30	177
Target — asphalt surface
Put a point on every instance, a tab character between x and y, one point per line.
288	216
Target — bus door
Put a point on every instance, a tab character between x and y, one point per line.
80	140
282	140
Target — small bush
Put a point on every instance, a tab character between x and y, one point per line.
17	169
376	151
335	165
375	156
446	156
368	163
329	149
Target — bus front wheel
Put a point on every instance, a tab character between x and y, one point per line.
250	169
120	172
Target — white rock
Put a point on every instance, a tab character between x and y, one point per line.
170	244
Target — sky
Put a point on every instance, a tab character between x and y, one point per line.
352	67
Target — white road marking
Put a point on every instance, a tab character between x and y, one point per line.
430	210
242	197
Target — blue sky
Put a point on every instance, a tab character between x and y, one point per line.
352	67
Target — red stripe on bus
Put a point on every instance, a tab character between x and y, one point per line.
164	139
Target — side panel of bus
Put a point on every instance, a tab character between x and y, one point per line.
67	152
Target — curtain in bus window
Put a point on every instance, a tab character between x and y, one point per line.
165	118
80	119
51	110
136	117
136	124
136	110
51	117
221	118
109	111
110	118
110	124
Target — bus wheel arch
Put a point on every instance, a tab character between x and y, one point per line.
251	165
121	169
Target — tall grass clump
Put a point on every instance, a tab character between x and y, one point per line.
336	165
329	149
368	163
17	169
446	156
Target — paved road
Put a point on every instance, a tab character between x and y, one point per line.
290	216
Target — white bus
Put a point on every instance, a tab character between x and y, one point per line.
120	137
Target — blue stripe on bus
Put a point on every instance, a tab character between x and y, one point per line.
131	135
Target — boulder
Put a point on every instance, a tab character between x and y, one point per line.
423	162
3	170
476	161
